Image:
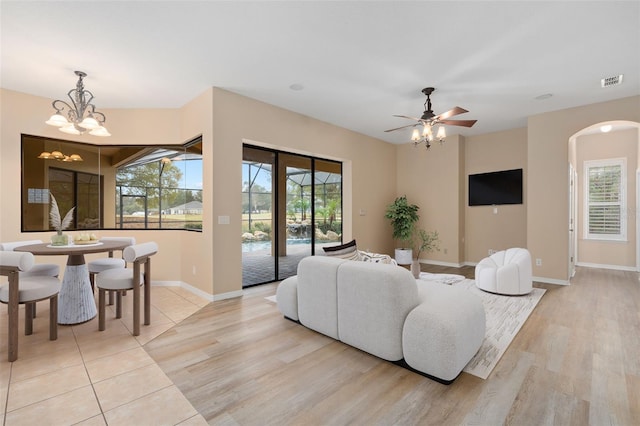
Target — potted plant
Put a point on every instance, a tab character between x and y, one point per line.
428	242
59	224
403	217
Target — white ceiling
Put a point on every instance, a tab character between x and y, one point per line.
359	62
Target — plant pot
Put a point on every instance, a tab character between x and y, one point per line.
404	256
415	269
59	240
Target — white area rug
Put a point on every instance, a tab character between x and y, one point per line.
441	278
505	316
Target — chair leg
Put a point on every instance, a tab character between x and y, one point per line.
92	280
28	318
101	309
53	318
136	310
147	304
111	298
147	292
118	304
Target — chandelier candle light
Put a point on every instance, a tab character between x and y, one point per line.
81	114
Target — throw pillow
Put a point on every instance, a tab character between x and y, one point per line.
366	256
347	251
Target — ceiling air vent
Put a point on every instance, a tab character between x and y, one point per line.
611	81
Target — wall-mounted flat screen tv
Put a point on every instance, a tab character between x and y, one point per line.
494	188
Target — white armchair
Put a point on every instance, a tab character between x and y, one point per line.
506	272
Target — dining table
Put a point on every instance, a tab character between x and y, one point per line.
76	302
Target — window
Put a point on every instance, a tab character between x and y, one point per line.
605	199
112	186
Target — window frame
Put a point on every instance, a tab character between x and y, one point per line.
622	202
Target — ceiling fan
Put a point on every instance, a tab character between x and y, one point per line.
429	120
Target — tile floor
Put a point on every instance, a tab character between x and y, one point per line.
89	377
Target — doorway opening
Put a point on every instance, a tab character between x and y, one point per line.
604	188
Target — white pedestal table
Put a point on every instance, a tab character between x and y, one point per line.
76	303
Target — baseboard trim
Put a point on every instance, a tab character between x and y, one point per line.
229	295
603	266
439	263
550	281
198	292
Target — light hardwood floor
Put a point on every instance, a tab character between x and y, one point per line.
575	361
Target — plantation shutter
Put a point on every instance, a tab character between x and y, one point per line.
605	199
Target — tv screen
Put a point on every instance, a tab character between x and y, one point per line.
503	187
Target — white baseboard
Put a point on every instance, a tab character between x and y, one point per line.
229	295
550	281
603	266
439	263
197	291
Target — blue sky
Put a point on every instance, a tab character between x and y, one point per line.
191	173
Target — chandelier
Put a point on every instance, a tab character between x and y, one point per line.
57	155
81	114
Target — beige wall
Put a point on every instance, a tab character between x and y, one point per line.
548	135
211	261
599	146
369	174
431	179
375	172
500	227
23	113
436	180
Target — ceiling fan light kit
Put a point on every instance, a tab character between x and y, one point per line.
429	120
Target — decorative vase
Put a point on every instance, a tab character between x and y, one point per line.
415	269
59	240
404	256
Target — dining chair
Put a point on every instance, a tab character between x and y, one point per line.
39	269
102	264
123	279
26	290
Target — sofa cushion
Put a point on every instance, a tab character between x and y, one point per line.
373	301
317	293
348	251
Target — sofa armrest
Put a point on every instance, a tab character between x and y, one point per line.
287	298
443	333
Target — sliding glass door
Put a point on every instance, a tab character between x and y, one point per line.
291	208
259	260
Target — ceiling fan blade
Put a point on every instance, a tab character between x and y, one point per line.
410	118
455	111
403	127
464	123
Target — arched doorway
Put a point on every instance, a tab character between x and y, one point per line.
589	245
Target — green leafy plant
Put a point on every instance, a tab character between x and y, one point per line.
54	217
429	241
403	217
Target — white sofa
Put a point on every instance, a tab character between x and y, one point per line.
506	272
431	328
